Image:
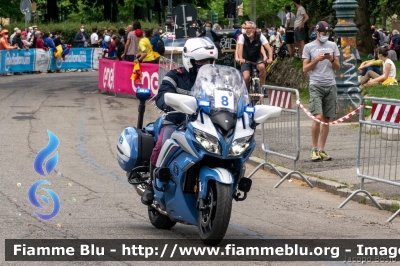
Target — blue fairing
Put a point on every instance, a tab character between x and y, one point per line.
178	204
220	175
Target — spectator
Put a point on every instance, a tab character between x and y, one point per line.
376	36
29	33
290	18
108	46
209	33
25	42
276	41
212	36
17	40
299	30
321	58
120	43
4	41
39	41
81	37
13	35
94	38
132	43
146	53
49	42
313	34
33	37
373	65
154	40
237	36
388	72
386	38
395	43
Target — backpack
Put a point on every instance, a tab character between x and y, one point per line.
160	47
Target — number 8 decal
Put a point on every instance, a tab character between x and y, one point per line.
224	101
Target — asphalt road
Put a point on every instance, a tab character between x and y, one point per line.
97	202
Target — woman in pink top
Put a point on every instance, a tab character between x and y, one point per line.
27	44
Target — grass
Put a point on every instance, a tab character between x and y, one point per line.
394	207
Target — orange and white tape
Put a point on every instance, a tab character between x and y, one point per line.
342	119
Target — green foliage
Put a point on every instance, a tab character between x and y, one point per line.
69	29
10	9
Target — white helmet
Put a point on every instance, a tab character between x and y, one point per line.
107	38
198	49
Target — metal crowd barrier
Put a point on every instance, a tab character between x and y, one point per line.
281	137
164	65
378	146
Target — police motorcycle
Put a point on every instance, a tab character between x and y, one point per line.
200	169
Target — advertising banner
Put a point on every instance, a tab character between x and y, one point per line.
42	60
17	61
115	76
77	58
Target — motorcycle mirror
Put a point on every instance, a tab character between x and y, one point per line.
266	112
182	103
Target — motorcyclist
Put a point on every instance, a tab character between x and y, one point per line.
196	53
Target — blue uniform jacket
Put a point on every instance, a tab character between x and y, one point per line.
175	81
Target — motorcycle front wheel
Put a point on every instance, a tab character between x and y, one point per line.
214	219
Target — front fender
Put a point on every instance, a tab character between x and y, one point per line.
218	174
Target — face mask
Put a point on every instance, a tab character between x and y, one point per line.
323	38
31	31
243	31
6	36
82	30
264	33
207	28
160	31
249	35
271	32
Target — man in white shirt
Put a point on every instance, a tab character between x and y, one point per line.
94	38
249	49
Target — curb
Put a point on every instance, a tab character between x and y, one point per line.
329	186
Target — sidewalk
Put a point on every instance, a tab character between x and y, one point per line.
337	176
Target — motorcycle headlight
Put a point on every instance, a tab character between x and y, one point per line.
239	146
209	142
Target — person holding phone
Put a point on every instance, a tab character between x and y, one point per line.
320	58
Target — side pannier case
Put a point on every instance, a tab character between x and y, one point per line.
134	148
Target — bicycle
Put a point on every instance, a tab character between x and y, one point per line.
254	89
275	56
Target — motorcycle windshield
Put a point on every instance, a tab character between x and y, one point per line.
223	86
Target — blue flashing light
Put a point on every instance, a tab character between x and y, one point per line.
203	103
249	109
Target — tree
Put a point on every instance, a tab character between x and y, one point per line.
10	10
52	11
365	43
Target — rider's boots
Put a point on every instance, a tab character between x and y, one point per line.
148	194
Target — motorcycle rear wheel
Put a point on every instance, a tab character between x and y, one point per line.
158	220
214	220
